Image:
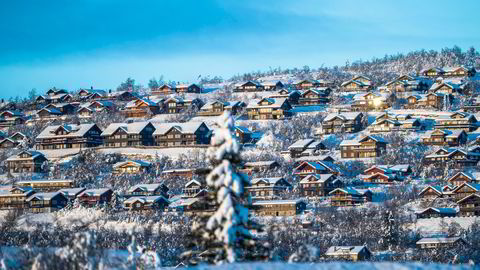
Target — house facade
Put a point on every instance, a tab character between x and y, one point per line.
128	134
215	108
457	121
318	185
348	196
69	136
348	122
132	167
49	185
269	108
357	84
279	207
267	188
14	197
26	162
366	147
181	134
92	197
445	137
46	202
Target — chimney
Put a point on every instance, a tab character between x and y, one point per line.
3	101
110	91
91	87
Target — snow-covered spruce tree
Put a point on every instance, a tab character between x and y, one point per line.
226	235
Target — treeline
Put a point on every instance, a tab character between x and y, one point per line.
380	70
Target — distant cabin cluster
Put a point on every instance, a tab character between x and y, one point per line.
435	109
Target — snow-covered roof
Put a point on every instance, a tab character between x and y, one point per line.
94	192
44	196
316	178
71	191
31	153
193	181
50	110
344	250
146	187
243	129
44	181
351	190
301	143
448	133
346	116
71	130
270	180
349	143
441	210
180	202
278	202
187	128
438	240
226	104
130	128
259	163
145	199
139	163
273	103
316	165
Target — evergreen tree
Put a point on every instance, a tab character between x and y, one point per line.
225	236
389	231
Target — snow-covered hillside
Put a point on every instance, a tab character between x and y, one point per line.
337	266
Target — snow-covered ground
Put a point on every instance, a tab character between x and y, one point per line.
337	266
64	155
173	153
80	216
431	226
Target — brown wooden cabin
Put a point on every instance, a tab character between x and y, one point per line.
48	185
445	137
92	197
318	185
440	242
366	147
348	196
69	136
164	90
188	88
248	86
425	101
132	167
279	207
460	157
435	212
464	177
457	121
14	197
181	134
349	253
145	203
46	202
268	188
157	189
128	134
269	108
470	205
349	122
26	162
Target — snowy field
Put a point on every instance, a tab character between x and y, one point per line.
337	266
65	154
173	153
431	226
94	217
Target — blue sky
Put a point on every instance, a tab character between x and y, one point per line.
74	44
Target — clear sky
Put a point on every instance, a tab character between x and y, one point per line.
74	44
